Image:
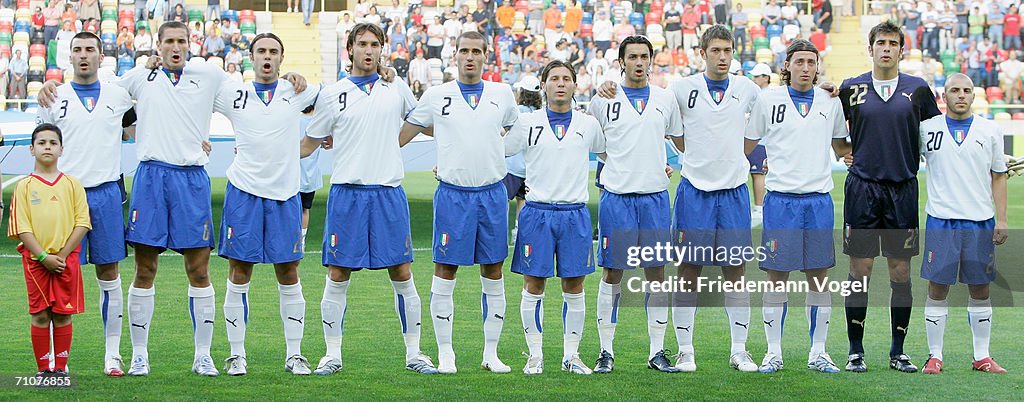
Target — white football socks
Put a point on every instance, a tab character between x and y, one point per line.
408	308
819	312
979	313
607	312
202	307
656	305
332	313
531	309
111	310
774	306
935	314
493	314
293	316
574	307
236	316
684	312
140	316
442	312
737	308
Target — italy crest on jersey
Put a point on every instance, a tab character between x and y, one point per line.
639	105
472	100
559	131
367	87
265	96
444	239
959	135
89	103
527	250
717	96
804	108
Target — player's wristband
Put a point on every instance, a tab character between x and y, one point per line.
42	256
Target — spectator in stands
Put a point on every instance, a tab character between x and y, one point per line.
1010	77
506	15
307	10
157	10
1011	29
962	20
213	10
552	18
576	56
482	18
240	42
141	13
88	9
788	14
491	72
739	28
213	44
419	69
37	21
612	54
976	25
911	20
598	62
125	43
929	67
63	38
196	39
371	16
509	73
362	8
92	25
573	18
624	30
691	20
602	31
816	9
435	38
673	24
69	13
721	8
143	43
232	70
18	85
417	89
762	75
930	36
819	39
452	26
557	35
994	20
535	18
4	64
51	20
973	58
663	60
771	13
416	16
233	56
947	28
179	14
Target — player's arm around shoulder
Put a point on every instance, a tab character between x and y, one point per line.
595	134
757	125
420	119
517	137
841	144
326	109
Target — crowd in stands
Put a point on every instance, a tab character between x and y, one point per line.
980	39
526	34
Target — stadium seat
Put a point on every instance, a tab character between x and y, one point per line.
636	19
764	56
523	6
757	31
54	74
6	38
980	106
126	23
1002	116
34	87
748	65
652	18
22	26
588	18
195	14
37	50
251	75
108	26
773	31
586	30
760	43
109	3
654	29
6	26
429	3
216	61
1018	116
940	81
23	3
754	20
126	13
7	14
994	93
23	14
997	106
914	55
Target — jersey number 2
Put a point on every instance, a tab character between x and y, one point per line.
447	104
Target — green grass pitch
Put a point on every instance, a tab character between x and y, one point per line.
374	352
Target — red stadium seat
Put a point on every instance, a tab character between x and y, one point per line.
586	30
55	74
24	3
126	23
757	31
37	50
246	16
993	93
1018	116
6	26
429	3
522	6
126	13
5	50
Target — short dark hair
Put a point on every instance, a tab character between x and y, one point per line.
171	25
87	35
266	35
48	127
556	64
471	35
886	27
715	32
635	40
799	45
529	98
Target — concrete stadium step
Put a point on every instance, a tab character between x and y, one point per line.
302	54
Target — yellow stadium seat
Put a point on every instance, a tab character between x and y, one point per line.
764	56
248	75
20	37
915	55
34	87
1002	116
216	61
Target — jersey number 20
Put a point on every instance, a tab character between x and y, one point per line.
934	140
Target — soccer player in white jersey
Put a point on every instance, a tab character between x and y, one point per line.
90	116
262	219
468	117
966	174
712	203
367	222
170	203
555	223
797	123
634	209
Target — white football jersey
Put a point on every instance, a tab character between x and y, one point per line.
470	151
365	129
960	175
798	146
557	162
713	132
92	139
173	120
635	142
266	154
